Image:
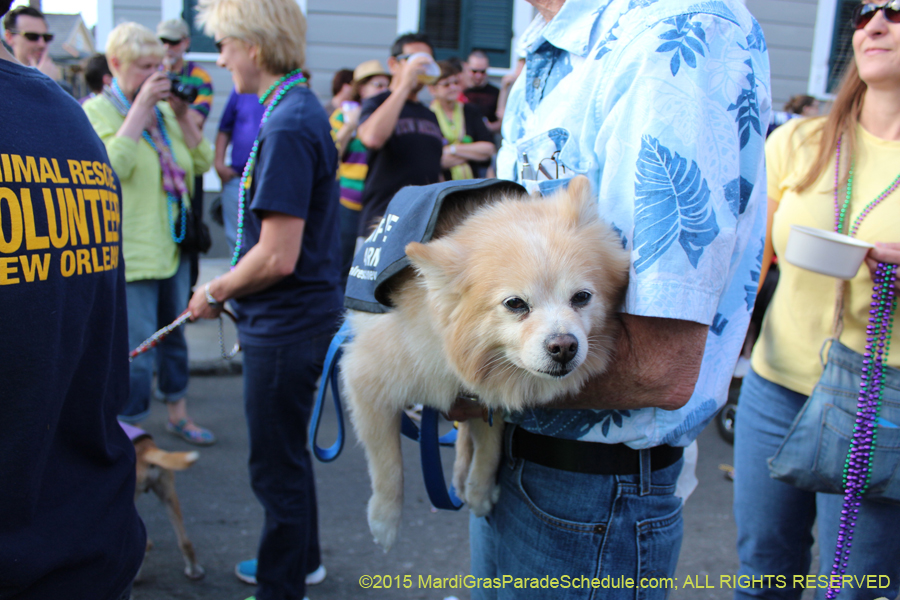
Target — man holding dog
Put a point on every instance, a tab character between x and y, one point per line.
663	106
68	525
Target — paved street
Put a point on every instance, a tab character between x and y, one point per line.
223	518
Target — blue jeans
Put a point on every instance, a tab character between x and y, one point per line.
775	519
349	227
556	523
153	304
279	390
231	190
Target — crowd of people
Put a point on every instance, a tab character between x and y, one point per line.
105	224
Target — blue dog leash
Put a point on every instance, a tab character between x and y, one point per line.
430	452
429	442
330	374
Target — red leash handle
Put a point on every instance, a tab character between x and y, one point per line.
154	340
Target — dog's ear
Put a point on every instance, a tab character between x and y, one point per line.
580	204
439	262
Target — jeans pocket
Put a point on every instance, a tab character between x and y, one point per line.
540	488
834	444
658	545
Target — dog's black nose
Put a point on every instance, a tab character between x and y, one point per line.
562	348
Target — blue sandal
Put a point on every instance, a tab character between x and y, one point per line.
199	436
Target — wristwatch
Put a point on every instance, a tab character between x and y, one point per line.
210	299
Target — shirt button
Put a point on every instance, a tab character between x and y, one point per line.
537	82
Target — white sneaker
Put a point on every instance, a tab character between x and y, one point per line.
317	576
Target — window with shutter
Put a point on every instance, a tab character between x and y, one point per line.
456	27
841	44
200	42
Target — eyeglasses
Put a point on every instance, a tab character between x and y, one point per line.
864	13
219	44
478	71
33	37
169	42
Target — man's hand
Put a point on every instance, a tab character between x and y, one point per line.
225	172
408	79
46	65
464	409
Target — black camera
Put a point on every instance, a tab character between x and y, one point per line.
180	89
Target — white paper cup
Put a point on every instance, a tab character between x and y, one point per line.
825	252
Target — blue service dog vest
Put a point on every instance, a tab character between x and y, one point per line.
411	216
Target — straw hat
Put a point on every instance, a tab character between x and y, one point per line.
370	68
173	29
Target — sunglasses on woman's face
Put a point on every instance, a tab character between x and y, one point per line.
864	13
33	37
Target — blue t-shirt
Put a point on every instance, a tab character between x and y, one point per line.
68	525
241	119
295	175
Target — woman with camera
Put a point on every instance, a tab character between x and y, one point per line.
155	149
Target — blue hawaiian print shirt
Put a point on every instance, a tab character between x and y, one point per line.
663	105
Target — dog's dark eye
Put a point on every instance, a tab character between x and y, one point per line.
516	305
581	299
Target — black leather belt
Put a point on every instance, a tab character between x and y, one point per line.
588	457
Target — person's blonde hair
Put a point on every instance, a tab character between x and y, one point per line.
840	124
276	27
131	41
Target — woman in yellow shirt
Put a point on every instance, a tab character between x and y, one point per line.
809	176
155	148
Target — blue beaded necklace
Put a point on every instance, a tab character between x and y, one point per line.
280	88
173	200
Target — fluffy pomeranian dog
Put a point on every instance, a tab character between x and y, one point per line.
512	301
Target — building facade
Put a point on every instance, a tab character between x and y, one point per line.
808	40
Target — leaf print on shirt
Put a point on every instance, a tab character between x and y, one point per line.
577	423
671	202
682	43
747	107
756	40
737	193
753	288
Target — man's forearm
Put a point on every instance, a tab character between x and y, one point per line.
379	127
656	364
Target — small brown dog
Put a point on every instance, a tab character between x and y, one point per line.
155	472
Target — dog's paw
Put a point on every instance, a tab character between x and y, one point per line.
384	521
482	498
459	484
194	572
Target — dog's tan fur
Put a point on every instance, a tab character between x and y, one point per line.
450	331
155	472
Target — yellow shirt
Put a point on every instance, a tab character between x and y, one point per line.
147	242
799	319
